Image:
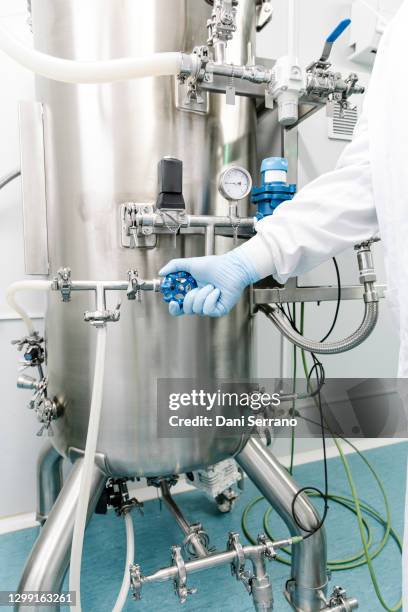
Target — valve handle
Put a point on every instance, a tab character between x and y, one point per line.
176	285
331	39
338	30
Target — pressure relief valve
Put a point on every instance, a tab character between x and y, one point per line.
274	189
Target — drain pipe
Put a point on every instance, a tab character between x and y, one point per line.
192	532
306	589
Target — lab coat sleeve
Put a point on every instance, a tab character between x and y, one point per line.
329	215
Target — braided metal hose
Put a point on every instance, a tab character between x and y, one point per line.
324	348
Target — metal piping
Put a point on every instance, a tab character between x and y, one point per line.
308	584
49	480
368	324
49	559
191	536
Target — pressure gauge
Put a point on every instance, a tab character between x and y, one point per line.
235	183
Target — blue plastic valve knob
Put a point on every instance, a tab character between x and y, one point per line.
176	286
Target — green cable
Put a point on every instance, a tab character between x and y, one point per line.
337	565
354	504
293	431
358	506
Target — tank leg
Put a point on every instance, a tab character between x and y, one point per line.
306	589
49	481
49	559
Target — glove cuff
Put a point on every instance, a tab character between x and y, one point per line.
255	257
246	268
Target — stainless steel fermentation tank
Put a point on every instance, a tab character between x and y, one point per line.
102	147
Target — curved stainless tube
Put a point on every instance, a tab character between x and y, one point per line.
49	480
324	348
308	583
49	558
7	178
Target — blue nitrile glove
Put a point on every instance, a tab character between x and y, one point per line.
221	279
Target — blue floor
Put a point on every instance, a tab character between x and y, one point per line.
217	591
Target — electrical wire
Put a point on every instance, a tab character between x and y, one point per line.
336	314
354	504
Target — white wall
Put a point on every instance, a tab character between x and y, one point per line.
18	442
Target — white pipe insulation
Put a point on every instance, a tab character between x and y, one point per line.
72	71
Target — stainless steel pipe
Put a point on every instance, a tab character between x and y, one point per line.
184	525
309	558
48	562
367	326
49	480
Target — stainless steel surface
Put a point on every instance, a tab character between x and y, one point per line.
103	144
49	480
308	557
33	183
49	558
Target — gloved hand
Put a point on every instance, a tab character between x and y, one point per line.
221	279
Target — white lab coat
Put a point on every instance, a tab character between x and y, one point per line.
367	193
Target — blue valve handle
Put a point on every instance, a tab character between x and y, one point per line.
331	39
175	287
338	31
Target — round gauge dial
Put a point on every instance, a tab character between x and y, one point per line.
235	183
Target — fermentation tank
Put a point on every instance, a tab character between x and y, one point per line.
103	144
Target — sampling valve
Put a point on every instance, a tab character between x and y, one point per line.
221	26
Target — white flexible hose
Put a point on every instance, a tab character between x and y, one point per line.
72	71
34	285
89	458
130	556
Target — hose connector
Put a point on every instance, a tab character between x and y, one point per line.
367	274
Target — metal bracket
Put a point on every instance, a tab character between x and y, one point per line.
180	582
264	14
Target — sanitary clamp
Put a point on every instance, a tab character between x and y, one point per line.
62	282
269	548
33	350
238	564
98	318
339	598
180	582
196	531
